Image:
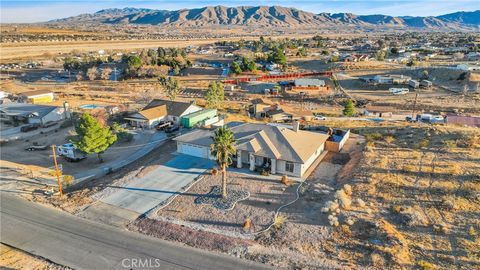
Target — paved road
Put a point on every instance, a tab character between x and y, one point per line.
83	244
156	139
144	193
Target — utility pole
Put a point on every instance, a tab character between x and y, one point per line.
414	106
57	173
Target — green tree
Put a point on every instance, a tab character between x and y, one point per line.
223	148
235	68
171	86
277	56
134	61
349	110
248	65
381	55
425	75
215	95
92	137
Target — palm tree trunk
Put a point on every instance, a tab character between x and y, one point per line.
224	181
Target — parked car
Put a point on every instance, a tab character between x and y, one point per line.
410	119
28	128
164	125
172	129
36	148
319	117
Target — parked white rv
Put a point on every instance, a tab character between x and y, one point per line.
69	152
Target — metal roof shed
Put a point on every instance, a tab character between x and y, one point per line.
190	120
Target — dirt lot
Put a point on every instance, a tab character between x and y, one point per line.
14	155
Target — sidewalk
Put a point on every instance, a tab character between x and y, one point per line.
157	139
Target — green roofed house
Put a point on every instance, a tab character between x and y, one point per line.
198	117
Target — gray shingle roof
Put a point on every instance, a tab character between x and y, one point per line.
26	110
275	142
174	108
309	82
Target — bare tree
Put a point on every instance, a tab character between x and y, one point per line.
79	76
105	74
92	73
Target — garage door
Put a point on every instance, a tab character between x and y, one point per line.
193	150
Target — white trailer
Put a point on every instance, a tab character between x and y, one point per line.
69	152
414	84
426	84
399	91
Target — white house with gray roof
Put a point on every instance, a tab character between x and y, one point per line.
284	151
31	113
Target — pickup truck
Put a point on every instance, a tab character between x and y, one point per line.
28	128
36	148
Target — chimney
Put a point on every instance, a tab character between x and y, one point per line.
296	126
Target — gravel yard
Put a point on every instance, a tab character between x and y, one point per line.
266	195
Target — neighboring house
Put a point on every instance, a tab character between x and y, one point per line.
467	67
30	113
355	57
472	56
37	96
258	107
281	150
278	115
161	110
312	86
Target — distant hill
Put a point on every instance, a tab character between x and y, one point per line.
270	16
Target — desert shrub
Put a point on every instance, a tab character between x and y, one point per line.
348	189
333	220
472	232
389	139
278	221
369	146
377	261
285	180
441	228
264	172
448	203
449	144
344	199
360	203
423	143
396	209
346	230
383	162
373	136
424	265
67	180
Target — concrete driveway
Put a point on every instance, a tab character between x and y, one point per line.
144	193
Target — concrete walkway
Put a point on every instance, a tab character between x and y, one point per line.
144	193
114	165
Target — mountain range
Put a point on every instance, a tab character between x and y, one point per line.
271	16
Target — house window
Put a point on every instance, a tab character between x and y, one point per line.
289	167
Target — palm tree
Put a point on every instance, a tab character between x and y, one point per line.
222	149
